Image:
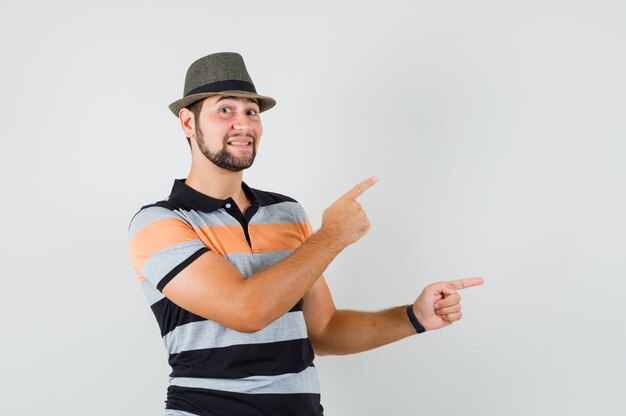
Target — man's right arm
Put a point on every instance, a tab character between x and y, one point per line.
213	288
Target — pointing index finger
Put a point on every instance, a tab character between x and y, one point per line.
359	189
465	283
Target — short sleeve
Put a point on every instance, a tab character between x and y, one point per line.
161	244
305	222
308	230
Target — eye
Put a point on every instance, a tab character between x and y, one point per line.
252	112
225	110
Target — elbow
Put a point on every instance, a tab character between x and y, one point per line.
319	352
318	348
248	325
250	318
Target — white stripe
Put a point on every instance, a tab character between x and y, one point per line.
211	219
164	261
210	334
170	412
152	293
291	383
248	264
283	212
147	216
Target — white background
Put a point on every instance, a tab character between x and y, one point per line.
497	131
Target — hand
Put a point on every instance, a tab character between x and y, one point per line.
345	220
439	304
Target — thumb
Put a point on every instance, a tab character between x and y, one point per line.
447	290
440	289
444	292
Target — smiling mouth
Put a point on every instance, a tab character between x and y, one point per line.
240	141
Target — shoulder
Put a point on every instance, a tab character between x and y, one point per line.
274	198
281	208
152	213
269	198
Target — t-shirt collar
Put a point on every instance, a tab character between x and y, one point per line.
189	197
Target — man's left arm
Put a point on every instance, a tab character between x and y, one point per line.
337	332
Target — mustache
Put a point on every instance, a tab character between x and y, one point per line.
248	135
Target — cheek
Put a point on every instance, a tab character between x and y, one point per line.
214	139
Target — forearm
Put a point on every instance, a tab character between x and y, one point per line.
272	292
349	332
213	288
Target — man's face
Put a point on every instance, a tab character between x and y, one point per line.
228	130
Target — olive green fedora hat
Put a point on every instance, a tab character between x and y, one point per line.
221	73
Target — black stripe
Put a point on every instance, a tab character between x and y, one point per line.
205	402
298	306
171	205
169	315
166	279
270	198
239	361
163	204
228	85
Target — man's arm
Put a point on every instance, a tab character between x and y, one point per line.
214	289
339	332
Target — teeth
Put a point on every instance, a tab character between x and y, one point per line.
240	143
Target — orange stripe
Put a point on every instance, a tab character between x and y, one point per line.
224	239
308	228
157	236
273	237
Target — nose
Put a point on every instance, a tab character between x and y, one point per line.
241	123
241	126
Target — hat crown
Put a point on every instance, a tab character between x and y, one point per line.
217	67
222	73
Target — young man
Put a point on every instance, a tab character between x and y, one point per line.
234	274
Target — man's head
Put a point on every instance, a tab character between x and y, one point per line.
219	105
226	130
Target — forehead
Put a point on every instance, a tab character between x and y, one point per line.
228	98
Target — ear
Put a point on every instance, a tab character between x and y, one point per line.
187	123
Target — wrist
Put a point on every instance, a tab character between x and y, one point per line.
331	240
419	328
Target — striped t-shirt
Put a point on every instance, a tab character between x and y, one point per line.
216	370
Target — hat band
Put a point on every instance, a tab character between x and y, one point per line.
228	85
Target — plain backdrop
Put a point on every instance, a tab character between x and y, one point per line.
496	128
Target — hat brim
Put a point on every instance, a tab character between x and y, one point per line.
265	103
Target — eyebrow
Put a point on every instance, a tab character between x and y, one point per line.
236	98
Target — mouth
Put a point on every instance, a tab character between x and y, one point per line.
240	142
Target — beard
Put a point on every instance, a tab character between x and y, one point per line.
223	158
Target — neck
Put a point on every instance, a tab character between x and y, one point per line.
214	181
